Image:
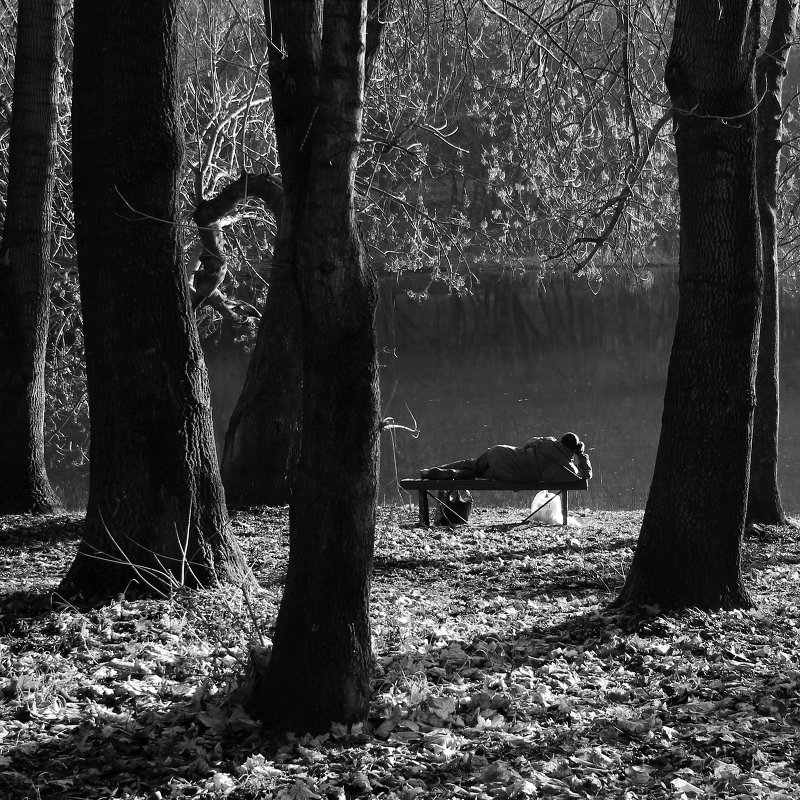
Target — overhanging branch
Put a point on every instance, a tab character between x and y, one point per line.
208	216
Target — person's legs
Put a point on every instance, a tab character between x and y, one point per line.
466	468
465	463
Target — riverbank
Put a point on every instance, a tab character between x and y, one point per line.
498	674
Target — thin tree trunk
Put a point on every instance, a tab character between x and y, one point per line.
764	499
25	261
156	514
262	443
688	552
320	667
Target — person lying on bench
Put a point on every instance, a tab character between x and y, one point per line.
543	458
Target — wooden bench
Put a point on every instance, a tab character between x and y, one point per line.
424	486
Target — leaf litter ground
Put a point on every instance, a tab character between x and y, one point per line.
498	675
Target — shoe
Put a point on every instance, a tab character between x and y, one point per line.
425	474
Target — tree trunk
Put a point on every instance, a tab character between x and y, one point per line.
262	443
25	261
320	667
764	499
688	552
156	514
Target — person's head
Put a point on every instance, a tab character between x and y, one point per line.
571	441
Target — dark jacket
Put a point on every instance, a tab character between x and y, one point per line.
540	459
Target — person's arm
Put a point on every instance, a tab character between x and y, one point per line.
582	462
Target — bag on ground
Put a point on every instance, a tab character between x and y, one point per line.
454	506
549	508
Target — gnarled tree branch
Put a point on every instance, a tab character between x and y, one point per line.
208	216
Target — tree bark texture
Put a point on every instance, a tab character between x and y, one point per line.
688	553
156	513
320	667
764	499
25	261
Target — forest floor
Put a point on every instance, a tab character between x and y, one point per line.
498	675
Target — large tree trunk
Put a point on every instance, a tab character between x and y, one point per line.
320	667
764	499
25	261
156	514
688	552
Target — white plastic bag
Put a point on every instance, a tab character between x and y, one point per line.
549	514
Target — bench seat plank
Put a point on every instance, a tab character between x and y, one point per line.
424	485
487	484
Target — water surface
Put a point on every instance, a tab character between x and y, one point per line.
520	357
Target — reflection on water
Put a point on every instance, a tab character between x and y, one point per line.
517	359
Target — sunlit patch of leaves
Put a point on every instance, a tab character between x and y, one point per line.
498	674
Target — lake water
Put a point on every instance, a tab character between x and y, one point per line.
518	358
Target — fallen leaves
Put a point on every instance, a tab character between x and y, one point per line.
498	675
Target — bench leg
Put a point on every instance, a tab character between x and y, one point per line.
564	506
424	512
